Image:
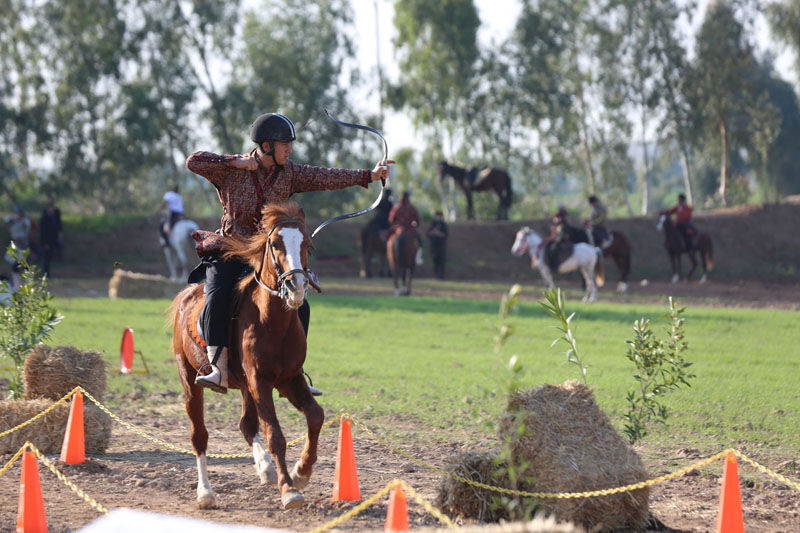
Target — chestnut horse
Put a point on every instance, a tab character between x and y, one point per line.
619	249
267	351
674	243
402	251
488	179
373	248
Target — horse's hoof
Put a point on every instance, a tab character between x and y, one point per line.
397	292
299	481
622	287
292	499
703	279
206	500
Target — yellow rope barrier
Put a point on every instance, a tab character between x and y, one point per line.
355	510
11	461
412	493
91	501
40	415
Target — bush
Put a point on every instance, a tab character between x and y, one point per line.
27	318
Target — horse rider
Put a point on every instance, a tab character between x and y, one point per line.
381	218
245	184
172	204
683	221
404	217
561	243
596	231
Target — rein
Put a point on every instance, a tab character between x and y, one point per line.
285	282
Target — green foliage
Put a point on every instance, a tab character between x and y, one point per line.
660	368
555	306
27	317
509	465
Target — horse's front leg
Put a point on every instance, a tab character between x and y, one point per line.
290	497
298	393
591	286
675	259
248	425
546	276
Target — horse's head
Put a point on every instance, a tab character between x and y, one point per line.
525	240
662	218
442	169
279	254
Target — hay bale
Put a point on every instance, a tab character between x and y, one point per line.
127	284
540	524
51	372
571	446
47	433
461	500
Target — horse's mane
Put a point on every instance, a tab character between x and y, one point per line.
250	250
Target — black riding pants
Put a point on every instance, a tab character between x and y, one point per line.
221	276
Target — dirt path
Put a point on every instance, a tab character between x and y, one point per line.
138	474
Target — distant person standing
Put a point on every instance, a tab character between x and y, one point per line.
51	234
437	235
19	229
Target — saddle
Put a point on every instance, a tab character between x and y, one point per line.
556	252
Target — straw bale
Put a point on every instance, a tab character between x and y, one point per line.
571	446
51	372
458	499
127	284
47	433
540	524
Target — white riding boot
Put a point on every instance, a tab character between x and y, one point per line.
217	380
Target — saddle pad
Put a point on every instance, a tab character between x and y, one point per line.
194	315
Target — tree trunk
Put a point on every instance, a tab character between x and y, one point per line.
646	176
724	170
687	176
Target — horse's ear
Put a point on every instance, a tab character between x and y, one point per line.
302	215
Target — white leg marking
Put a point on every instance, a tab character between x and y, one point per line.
265	468
299	482
205	496
703	279
675	278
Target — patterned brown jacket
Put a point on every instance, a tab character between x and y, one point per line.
243	193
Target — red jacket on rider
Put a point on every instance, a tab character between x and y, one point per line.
683	213
404	216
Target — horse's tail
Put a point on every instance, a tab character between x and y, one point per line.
599	269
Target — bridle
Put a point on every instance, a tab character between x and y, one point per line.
285	282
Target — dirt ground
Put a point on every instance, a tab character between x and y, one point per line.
136	473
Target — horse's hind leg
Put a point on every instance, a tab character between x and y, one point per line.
297	392
248	425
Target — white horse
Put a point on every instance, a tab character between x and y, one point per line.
175	249
585	257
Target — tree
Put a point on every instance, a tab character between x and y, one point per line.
784	20
724	57
437	46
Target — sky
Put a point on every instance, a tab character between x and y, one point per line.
497	21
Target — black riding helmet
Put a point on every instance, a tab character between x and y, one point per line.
272	127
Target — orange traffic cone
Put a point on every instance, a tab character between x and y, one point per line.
730	519
30	513
73	450
345	477
397	514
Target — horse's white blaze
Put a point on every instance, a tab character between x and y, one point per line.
205	496
264	466
292	240
521	242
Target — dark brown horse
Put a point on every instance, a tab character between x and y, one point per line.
674	243
267	350
402	252
373	248
619	249
488	179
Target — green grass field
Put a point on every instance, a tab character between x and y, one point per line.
430	361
